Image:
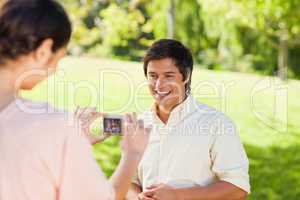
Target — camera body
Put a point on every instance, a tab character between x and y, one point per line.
113	124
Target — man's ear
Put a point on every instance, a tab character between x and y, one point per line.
187	78
43	53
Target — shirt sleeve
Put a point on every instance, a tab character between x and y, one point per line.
81	176
230	162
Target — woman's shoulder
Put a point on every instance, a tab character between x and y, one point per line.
43	116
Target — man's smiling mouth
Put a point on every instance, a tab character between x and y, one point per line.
162	94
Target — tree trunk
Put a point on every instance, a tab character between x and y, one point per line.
283	53
171	20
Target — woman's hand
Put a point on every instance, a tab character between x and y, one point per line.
86	117
134	143
136	136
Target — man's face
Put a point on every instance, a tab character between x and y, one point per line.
166	83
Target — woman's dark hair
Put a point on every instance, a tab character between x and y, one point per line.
25	24
175	50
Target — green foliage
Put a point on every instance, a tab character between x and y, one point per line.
238	35
274	172
119	29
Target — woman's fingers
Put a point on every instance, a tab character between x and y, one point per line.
131	124
140	124
136	136
86	117
135	120
85	113
79	112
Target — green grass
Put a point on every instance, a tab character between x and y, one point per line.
269	126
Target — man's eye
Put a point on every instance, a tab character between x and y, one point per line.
169	77
152	76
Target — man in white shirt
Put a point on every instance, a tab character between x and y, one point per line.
195	152
42	156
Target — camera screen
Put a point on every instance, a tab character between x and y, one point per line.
112	125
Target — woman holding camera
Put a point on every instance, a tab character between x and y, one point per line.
41	156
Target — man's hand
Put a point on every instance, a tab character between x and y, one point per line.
160	192
220	190
142	196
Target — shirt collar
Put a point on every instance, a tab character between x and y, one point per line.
180	112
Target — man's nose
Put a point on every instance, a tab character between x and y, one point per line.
159	83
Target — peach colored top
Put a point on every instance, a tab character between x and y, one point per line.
44	158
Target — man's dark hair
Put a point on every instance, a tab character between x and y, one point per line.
175	50
25	24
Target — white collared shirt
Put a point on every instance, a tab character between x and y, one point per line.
197	147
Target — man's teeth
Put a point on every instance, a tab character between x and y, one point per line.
162	93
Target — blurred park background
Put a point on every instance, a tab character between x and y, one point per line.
251	45
259	36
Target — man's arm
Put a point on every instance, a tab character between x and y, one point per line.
219	191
